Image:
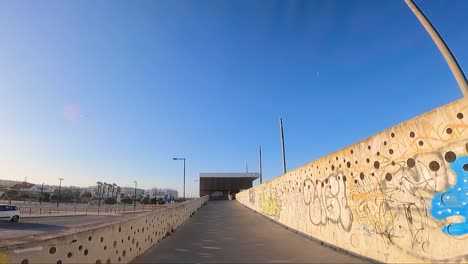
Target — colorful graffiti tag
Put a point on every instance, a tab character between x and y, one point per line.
452	204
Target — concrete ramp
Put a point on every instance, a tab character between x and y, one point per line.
227	232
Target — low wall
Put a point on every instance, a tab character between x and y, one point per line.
119	241
398	196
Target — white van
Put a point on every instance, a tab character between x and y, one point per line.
9	212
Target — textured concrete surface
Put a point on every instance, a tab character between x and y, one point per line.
33	226
228	232
400	195
119	240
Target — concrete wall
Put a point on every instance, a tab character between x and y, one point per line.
114	242
398	196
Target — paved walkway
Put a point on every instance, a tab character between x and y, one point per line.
227	232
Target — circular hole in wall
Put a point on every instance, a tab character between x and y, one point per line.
434	166
376	164
450	156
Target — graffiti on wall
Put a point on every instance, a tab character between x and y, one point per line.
452	204
269	203
327	201
403	191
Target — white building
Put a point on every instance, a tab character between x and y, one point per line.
161	193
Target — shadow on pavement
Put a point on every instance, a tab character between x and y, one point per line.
6	225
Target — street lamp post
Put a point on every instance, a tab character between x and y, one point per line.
443	48
58	197
42	190
184	171
134	202
282	145
260	162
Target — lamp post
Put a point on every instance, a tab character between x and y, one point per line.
282	145
134	202
184	171
260	162
443	48
42	190
58	197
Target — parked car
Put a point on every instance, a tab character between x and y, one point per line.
9	212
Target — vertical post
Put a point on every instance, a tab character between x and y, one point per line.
184	178
282	145
58	197
134	202
42	190
448	56
260	162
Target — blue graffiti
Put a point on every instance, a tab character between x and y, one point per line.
453	202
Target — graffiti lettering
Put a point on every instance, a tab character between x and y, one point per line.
327	201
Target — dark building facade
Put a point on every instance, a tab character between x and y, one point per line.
224	183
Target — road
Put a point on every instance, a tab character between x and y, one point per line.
37	225
228	232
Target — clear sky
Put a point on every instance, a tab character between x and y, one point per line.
113	90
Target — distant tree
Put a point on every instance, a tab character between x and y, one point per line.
117	191
86	196
110	200
53	197
45	197
126	200
25	196
145	200
11	194
154	201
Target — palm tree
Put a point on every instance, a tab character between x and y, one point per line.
104	189
99	184
113	189
117	192
108	189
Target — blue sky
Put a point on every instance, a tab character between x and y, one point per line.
112	90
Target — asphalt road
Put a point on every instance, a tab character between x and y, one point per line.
227	232
37	225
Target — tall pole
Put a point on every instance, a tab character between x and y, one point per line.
260	162
184	178
58	197
448	56
282	145
42	190
184	171
134	202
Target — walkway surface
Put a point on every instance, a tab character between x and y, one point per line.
228	232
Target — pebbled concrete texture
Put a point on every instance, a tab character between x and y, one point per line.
400	195
117	241
228	232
